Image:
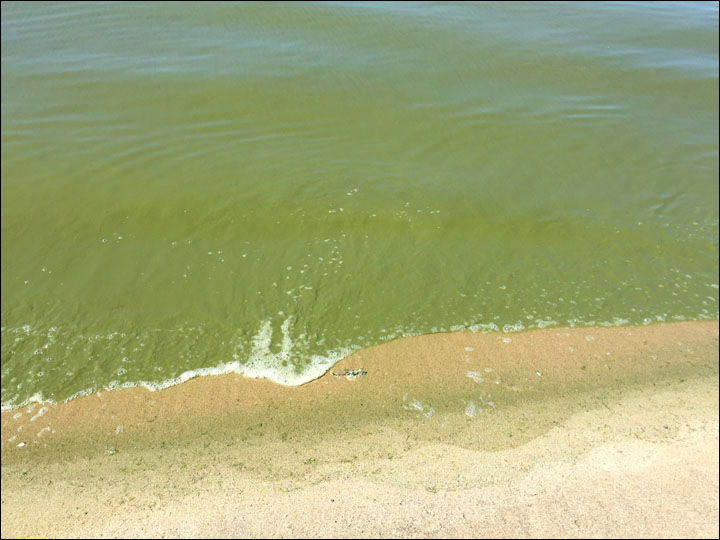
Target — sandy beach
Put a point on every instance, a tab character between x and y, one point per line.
559	432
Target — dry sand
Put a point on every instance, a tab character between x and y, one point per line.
579	432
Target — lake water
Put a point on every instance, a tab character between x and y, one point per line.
264	188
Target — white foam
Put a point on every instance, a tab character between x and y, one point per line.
417	405
426	410
262	363
42	411
471	410
484	328
513	327
37	397
475	376
540	323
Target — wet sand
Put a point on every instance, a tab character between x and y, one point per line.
556	432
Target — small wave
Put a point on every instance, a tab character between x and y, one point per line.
262	363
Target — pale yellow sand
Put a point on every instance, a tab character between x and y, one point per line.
590	432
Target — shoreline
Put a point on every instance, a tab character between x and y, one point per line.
224	369
499	413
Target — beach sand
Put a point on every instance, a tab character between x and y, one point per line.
556	432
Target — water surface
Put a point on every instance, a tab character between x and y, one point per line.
265	188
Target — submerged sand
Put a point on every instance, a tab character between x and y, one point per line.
556	432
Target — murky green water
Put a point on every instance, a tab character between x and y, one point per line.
263	188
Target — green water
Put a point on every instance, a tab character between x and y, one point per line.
203	188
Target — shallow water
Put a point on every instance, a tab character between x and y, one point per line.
264	188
